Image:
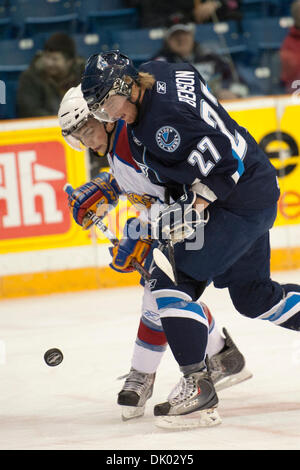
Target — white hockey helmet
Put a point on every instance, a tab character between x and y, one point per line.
72	115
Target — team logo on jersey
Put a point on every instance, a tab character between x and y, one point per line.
138	200
161	87
168	138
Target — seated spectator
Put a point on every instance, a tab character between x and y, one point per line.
155	13
290	53
51	73
180	46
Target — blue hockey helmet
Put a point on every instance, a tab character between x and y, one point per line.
104	72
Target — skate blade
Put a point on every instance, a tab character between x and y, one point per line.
131	412
197	419
232	380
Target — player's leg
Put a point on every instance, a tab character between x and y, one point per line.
186	327
268	300
227	363
227	236
149	348
151	341
255	295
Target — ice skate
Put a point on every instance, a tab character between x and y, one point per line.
137	389
227	368
191	404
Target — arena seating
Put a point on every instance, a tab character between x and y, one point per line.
100	25
93	43
140	46
35	16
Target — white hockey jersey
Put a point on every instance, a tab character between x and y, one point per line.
133	183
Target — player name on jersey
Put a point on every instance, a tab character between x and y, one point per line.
185	85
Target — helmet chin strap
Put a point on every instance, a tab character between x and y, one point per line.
109	136
137	101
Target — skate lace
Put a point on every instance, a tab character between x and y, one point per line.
138	382
184	390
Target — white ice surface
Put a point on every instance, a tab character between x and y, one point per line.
73	406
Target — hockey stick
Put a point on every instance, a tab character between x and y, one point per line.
110	236
163	263
170	246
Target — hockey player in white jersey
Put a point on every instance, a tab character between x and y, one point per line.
80	129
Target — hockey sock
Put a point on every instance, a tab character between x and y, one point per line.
150	345
186	327
286	313
216	341
151	341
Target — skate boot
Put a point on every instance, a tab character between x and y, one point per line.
228	367
137	389
191	404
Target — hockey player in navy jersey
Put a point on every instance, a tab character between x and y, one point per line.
81	129
181	137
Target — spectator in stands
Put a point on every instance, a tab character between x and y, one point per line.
155	13
290	53
52	72
180	46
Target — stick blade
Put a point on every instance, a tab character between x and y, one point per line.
163	263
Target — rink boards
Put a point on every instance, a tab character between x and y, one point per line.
43	250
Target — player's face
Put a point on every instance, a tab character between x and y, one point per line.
117	107
92	135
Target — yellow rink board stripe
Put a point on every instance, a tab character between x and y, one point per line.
71	280
285	259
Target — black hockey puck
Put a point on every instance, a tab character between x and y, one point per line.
53	357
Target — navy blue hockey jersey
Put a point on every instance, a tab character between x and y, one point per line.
184	136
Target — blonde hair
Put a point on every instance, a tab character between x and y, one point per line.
146	80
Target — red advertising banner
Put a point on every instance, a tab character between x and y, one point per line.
32	203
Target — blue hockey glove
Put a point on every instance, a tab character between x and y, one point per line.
99	195
178	220
135	243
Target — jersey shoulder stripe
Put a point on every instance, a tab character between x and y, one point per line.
121	148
